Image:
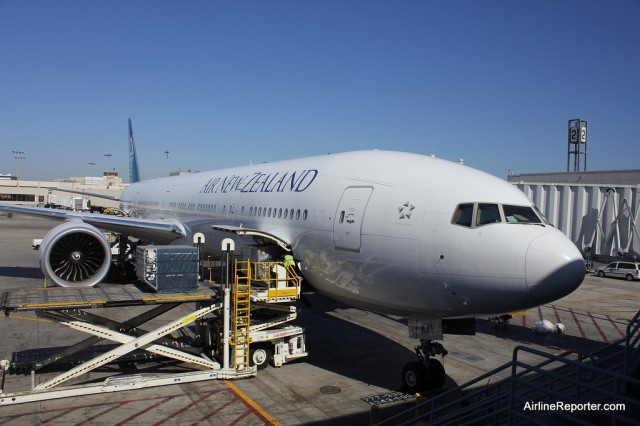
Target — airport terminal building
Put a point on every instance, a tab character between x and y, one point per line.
599	211
62	193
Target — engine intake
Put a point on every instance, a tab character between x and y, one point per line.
75	254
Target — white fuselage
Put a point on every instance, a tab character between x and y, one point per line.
374	229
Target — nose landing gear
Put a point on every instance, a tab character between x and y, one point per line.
427	372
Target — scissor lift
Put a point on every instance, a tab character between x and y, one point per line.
70	307
76	308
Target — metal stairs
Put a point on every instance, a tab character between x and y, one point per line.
533	390
241	314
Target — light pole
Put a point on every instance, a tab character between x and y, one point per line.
18	155
108	157
167	167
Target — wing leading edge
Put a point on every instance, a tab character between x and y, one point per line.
162	231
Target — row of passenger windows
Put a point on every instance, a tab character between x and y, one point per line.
277	212
273	212
480	214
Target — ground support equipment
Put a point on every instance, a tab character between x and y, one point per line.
67	306
261	333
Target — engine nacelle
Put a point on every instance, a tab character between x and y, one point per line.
75	254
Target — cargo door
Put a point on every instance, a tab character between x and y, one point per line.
347	226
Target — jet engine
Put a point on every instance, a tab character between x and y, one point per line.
75	254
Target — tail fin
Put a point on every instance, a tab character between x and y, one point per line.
134	173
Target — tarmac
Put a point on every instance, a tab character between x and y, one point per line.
355	356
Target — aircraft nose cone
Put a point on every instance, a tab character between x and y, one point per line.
554	268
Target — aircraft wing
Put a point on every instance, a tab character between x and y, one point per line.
162	231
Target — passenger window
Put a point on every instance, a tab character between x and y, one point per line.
520	214
487	213
463	215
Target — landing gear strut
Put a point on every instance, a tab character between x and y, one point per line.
427	372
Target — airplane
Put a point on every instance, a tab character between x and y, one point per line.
393	232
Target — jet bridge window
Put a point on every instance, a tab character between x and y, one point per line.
520	214
487	213
463	215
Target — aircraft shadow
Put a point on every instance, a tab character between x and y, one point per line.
524	335
352	350
21	272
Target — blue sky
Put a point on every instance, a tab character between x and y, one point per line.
221	84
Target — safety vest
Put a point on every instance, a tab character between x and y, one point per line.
288	260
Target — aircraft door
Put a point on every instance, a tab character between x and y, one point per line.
347	226
431	244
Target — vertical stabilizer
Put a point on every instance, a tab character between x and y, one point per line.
134	173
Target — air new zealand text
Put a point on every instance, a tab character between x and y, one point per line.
291	181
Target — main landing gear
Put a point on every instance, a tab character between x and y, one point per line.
427	372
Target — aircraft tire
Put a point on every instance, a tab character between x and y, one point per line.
436	375
414	375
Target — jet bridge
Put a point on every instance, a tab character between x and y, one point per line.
209	359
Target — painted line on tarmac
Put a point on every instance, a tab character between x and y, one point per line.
252	404
593	320
616	326
577	323
191	405
28	319
234	399
46	416
161	401
99	414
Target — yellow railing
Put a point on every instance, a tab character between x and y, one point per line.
279	280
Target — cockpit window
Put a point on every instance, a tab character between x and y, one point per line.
487	213
463	215
473	215
520	214
541	215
